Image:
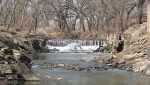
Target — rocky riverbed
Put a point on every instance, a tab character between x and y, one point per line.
73	61
80	62
79	69
90	67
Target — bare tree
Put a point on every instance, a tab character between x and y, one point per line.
111	16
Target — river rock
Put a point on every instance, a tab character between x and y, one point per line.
30	77
142	66
61	65
16	54
147	71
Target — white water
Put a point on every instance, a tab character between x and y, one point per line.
74	47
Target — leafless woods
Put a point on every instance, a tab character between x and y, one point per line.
72	15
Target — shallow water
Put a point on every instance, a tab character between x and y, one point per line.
113	77
110	77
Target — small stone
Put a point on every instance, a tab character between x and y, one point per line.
31	77
147	72
8	71
59	78
47	76
16	54
61	65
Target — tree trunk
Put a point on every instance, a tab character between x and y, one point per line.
148	17
140	9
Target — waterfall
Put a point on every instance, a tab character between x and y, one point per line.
69	45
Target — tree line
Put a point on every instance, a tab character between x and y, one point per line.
72	15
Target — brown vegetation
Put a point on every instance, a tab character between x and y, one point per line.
69	16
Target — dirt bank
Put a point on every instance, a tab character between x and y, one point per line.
136	53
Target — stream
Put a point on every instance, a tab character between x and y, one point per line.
61	76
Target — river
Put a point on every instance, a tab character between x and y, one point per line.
60	76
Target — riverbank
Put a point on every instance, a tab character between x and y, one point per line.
15	57
136	53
